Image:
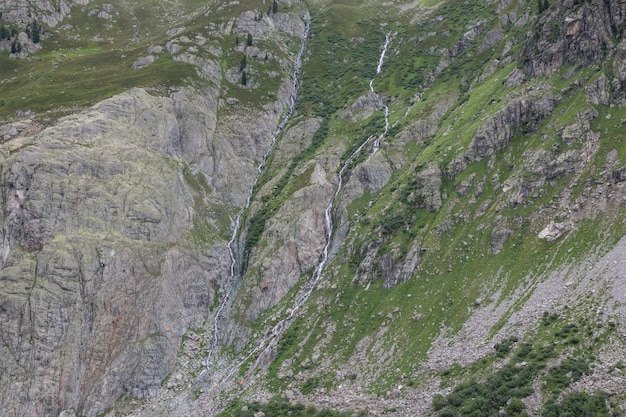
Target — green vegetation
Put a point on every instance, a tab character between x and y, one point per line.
280	406
579	404
503	389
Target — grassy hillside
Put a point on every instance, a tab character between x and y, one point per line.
474	279
457	64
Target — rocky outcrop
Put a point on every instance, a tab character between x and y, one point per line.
521	114
553	231
363	108
48	12
294	239
99	277
576	32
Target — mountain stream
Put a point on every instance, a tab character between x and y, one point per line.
271	338
234	259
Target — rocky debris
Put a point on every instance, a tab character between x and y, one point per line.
580	34
553	231
19	129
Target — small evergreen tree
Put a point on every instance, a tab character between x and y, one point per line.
244	79
13	47
546	5
237	41
35	32
274	7
249	40
540	6
243	64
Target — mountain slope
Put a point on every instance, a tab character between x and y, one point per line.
438	228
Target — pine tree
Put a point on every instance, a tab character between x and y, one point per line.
244	79
243	64
546	5
13	47
540	6
274	7
35	32
249	40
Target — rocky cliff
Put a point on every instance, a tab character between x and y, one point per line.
114	223
371	209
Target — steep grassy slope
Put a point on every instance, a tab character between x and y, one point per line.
486	155
476	259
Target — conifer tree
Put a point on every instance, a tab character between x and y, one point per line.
249	40
274	7
35	32
244	79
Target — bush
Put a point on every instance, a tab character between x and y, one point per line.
570	370
578	404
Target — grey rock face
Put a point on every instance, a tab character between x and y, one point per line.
295	238
49	12
363	108
98	279
500	128
498	238
579	34
428	193
553	231
599	92
101	272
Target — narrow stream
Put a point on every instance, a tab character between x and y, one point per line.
379	68
232	243
270	340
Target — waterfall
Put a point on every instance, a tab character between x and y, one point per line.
270	340
237	222
379	68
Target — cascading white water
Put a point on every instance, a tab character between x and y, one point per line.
379	68
237	222
270	340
